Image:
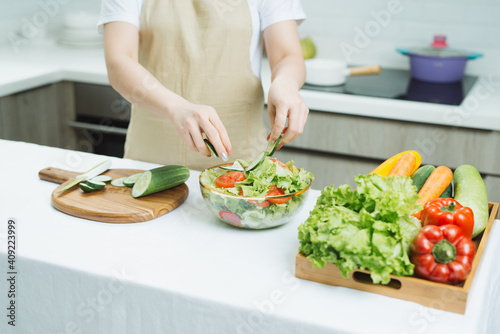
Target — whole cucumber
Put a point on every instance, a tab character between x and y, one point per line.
421	175
159	179
470	191
448	192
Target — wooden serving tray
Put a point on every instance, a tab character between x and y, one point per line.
452	298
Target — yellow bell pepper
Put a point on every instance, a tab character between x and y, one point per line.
387	165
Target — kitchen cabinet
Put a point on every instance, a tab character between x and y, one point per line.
335	147
77	116
40	116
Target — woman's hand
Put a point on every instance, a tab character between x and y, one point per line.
288	76
192	120
284	101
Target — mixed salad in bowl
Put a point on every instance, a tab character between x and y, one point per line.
255	196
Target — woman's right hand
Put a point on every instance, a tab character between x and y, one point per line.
192	120
139	86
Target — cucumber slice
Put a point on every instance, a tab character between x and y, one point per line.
236	166
118	182
257	161
211	148
131	180
159	179
243	163
102	178
272	146
97	185
86	188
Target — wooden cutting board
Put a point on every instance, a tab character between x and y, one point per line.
112	204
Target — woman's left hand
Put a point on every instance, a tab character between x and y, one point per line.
284	101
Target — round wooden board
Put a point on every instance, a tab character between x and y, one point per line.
116	204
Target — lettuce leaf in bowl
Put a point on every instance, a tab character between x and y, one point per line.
259	180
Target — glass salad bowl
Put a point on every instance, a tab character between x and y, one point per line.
251	212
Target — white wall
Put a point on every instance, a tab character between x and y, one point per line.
469	24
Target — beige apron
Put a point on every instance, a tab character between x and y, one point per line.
198	49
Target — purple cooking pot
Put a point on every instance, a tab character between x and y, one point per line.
438	63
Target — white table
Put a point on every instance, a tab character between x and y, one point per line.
186	272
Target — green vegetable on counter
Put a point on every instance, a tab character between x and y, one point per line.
370	227
421	175
470	191
448	192
159	179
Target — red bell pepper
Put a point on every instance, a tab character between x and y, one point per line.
444	211
442	253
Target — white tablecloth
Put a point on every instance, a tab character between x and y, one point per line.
186	272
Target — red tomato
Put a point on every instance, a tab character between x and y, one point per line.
279	163
261	204
230	217
275	191
228	179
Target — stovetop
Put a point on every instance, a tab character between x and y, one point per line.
399	85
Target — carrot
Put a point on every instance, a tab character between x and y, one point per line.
437	182
404	166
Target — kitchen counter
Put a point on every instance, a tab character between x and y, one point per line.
186	272
39	64
48	62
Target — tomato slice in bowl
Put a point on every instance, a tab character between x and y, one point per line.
227	180
275	191
230	218
279	163
262	204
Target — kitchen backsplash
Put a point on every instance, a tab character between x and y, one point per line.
360	31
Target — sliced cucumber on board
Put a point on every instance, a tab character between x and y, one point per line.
97	185
257	162
129	181
102	178
118	182
159	179
86	188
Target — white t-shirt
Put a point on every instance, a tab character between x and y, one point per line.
263	12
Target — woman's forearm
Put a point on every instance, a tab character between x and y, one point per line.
138	86
291	68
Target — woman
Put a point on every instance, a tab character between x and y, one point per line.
190	69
